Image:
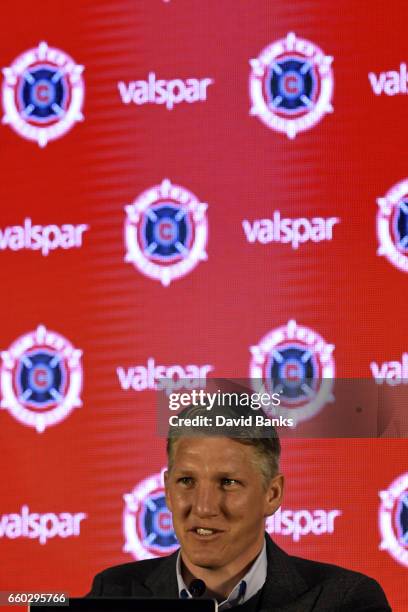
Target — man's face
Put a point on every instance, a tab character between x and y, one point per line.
219	502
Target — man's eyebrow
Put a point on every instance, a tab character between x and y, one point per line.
231	473
184	469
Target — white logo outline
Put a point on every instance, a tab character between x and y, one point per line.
389	541
292	331
386	208
133	502
134	214
45	338
260	66
66	66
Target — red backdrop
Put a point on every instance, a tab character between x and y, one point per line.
120	317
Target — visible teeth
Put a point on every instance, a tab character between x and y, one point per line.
202	531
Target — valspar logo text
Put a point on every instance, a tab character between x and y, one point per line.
392	225
164	92
149	376
289	231
42	238
393	519
391	372
41	527
43	93
391	82
299	523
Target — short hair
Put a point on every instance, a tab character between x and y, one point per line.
264	440
267	452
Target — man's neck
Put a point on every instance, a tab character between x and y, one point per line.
219	581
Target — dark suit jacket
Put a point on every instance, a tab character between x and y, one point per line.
292	584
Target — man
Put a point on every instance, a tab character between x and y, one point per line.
220	491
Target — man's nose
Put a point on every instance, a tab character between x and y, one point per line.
206	500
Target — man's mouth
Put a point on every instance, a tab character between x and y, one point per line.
205	531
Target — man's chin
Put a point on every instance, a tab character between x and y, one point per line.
203	559
209	564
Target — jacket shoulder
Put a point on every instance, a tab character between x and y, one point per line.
118	580
315	571
354	587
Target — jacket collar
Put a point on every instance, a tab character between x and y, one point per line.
162	582
284	584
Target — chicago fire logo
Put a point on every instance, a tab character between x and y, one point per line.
166	232
41	378
147	523
43	93
393	519
392	225
291	85
297	363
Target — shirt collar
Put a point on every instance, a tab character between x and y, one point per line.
246	588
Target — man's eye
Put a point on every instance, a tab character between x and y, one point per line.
228	482
185	480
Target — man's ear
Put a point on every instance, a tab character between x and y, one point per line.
274	494
166	488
